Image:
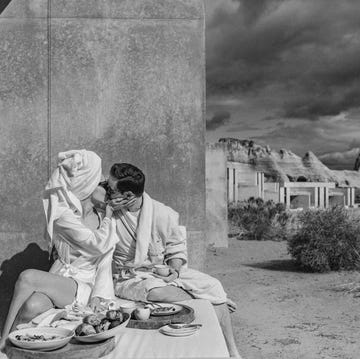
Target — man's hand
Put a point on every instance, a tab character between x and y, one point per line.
98	304
122	203
171	277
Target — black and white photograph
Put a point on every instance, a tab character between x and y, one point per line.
179	179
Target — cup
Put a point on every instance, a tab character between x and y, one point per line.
162	269
142	313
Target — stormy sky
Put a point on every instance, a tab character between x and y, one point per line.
286	73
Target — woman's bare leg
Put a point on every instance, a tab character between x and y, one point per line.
60	290
36	304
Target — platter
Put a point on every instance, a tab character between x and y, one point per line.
185	315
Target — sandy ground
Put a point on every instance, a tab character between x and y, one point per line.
284	312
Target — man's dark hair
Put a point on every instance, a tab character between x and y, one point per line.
130	178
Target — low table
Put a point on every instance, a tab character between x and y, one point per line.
208	342
133	343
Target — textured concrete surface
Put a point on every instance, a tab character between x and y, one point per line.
132	91
216	195
126	80
128	9
25	9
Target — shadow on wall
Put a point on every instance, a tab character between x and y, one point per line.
4	4
31	257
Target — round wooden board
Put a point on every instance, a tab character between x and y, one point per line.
73	350
186	315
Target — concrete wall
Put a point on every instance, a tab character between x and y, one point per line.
216	196
272	191
124	78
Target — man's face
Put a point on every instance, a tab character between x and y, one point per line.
113	191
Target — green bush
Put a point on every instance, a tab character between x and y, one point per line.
326	240
259	220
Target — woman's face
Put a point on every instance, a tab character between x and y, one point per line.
113	191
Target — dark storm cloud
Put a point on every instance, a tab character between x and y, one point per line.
340	160
218	119
305	53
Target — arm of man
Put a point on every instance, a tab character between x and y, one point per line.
175	244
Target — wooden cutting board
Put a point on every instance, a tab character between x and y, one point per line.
186	315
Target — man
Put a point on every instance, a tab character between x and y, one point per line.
149	233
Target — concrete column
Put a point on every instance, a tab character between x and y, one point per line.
321	198
316	199
326	197
216	196
352	196
236	185
123	78
287	194
282	195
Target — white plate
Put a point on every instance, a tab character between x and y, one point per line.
175	308
65	335
177	332
98	337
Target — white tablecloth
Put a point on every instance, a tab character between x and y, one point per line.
208	342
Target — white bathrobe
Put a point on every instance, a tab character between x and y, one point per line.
82	253
158	238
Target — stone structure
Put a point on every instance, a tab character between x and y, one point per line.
216	196
244	181
123	78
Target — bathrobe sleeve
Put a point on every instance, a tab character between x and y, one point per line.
175	239
89	243
104	287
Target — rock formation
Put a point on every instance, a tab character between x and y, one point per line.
285	166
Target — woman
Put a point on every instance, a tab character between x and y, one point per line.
83	242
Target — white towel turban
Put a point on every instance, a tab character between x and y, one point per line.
75	179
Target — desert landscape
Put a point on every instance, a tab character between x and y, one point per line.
284	311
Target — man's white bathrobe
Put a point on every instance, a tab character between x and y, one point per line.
153	236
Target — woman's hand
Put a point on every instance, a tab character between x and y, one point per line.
109	210
97	304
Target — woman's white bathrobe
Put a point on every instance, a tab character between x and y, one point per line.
82	253
159	238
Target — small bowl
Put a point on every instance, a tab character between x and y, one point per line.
63	337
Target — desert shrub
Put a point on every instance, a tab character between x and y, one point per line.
260	220
326	240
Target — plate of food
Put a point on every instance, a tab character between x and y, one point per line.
42	338
99	327
160	309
